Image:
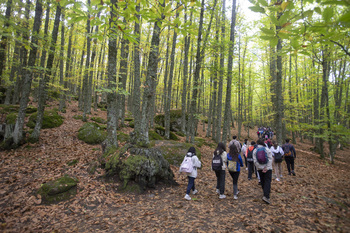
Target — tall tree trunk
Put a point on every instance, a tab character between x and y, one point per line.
137	78
170	83
3	42
192	120
111	140
18	131
227	115
86	87
62	96
151	81
43	85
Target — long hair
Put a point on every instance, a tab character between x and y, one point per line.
233	152
220	149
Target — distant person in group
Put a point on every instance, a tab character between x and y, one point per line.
268	143
244	150
193	175
258	133
289	156
234	163
236	142
220	174
250	160
263	161
277	154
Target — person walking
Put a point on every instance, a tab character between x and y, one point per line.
234	164
277	154
236	142
193	175
289	156
244	152
263	161
220	173
250	161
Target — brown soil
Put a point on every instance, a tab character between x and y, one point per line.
315	200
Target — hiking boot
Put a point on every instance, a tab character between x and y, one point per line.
222	196
187	197
277	179
293	173
195	191
217	191
235	197
265	199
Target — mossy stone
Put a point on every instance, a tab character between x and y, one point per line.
154	136
51	119
99	120
11	118
92	133
57	190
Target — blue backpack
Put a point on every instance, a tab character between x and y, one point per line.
261	155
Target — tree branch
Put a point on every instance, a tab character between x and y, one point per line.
341	46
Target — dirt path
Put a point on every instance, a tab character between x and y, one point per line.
316	200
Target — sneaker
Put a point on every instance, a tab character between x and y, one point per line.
217	191
235	197
237	193
259	183
277	179
187	197
246	169
293	173
195	191
281	176
222	196
265	199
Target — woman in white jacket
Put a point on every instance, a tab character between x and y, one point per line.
277	151
193	175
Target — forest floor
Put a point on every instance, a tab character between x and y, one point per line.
317	199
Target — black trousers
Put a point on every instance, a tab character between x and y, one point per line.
290	163
220	181
265	179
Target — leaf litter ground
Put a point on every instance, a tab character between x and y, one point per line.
315	200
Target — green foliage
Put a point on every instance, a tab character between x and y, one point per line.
11	118
72	162
122	137
92	133
51	119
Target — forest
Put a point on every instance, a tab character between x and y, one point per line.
170	74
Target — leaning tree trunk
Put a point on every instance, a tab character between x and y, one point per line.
43	85
228	111
18	131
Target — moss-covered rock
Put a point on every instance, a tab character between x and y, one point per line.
154	136
142	166
175	120
174	152
57	190
92	133
51	119
78	117
99	120
11	118
122	137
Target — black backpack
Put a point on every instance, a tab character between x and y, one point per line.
250	154
278	157
216	163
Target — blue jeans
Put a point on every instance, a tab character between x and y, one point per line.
235	176
190	184
220	181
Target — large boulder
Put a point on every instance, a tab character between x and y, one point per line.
58	190
92	133
138	168
175	120
51	119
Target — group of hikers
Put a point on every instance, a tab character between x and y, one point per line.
259	157
265	133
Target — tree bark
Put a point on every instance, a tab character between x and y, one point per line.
18	131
